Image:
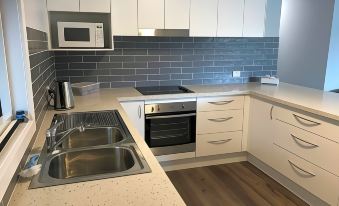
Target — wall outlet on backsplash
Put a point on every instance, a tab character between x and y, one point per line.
236	74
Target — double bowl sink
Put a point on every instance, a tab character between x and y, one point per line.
100	149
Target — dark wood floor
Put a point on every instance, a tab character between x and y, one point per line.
230	184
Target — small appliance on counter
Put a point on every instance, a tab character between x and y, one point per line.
62	96
269	80
85	88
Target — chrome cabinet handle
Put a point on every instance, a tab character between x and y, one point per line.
301	169
139	112
312	123
221	102
271	112
220	141
296	139
220	119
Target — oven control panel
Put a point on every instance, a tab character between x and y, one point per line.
170	107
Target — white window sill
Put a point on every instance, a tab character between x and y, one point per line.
11	155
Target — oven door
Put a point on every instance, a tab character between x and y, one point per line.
171	133
76	34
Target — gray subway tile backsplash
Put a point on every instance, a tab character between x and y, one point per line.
154	61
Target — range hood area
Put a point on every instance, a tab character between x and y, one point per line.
164	32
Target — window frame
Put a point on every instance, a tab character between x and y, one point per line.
5	97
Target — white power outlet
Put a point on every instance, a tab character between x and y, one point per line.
236	73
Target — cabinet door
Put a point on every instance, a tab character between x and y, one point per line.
63	5
100	6
177	14
124	17
151	14
273	15
136	113
254	18
260	134
230	18
204	18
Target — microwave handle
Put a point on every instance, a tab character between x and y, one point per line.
171	116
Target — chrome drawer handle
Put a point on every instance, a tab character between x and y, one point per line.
221	102
220	119
301	169
220	141
296	139
312	123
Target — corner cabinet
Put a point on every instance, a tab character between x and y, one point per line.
135	111
261	132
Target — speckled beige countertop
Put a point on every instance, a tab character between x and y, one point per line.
155	188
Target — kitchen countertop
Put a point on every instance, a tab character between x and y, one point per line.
155	188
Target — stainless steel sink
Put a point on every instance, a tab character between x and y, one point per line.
91	137
105	149
90	162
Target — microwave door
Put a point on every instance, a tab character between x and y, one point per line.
76	35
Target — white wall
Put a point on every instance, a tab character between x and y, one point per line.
36	14
332	72
304	41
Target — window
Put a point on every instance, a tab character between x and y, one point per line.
5	99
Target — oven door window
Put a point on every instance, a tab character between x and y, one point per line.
170	130
77	34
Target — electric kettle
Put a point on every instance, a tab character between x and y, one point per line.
62	96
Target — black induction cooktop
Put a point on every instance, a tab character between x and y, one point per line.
159	90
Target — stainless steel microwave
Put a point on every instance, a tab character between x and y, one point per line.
80	35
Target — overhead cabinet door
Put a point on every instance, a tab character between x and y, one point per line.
177	14
230	18
124	17
204	18
100	6
63	5
151	14
254	18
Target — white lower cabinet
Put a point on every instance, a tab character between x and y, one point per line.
319	182
219	143
135	111
261	132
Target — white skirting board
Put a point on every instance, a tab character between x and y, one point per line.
203	161
287	183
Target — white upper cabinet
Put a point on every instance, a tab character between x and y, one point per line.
151	14
204	18
230	18
177	14
254	18
63	5
124	17
100	6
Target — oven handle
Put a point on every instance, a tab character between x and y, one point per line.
171	116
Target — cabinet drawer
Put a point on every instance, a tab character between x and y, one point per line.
314	179
220	103
219	121
220	143
308	123
316	149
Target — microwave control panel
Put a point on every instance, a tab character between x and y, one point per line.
99	35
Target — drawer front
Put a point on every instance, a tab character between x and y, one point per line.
306	122
220	143
220	103
219	121
314	179
316	149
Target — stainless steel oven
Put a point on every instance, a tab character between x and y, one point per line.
170	128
